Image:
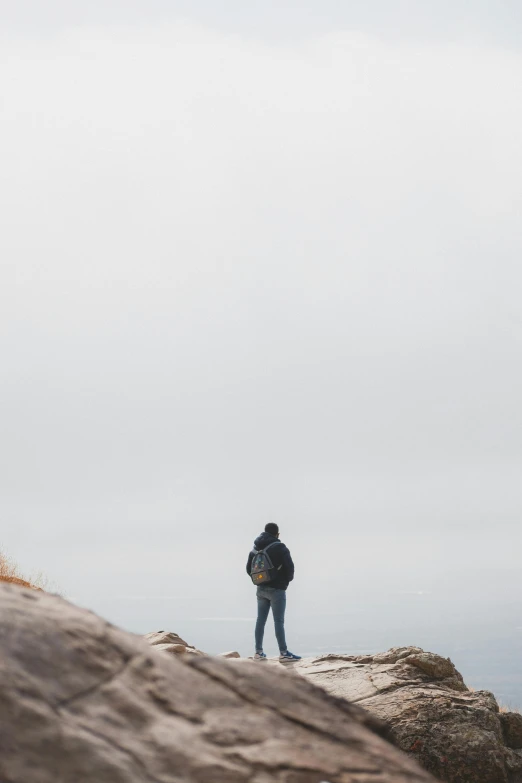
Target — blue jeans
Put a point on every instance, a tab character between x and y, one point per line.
271	597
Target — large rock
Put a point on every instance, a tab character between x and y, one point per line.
83	702
458	734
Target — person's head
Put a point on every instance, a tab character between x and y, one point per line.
272	528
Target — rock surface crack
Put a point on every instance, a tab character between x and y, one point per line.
96	687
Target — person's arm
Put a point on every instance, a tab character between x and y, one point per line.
288	565
249	562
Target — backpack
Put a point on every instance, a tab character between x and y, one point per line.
262	570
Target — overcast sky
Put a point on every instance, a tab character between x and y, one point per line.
259	261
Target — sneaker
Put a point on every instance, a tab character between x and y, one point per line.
288	656
260	656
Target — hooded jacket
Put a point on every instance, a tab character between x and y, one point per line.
279	555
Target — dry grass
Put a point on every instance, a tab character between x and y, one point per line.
10	572
507	708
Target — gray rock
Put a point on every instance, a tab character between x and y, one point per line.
457	734
231	654
511	723
83	702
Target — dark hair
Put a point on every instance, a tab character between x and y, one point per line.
272	528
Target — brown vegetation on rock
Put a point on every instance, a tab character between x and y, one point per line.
10	573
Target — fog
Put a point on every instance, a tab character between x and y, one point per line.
253	272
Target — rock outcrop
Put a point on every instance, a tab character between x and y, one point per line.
83	702
169	642
457	734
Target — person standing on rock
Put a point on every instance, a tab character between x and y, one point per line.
271	569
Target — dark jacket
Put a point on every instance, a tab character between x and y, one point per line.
279	555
